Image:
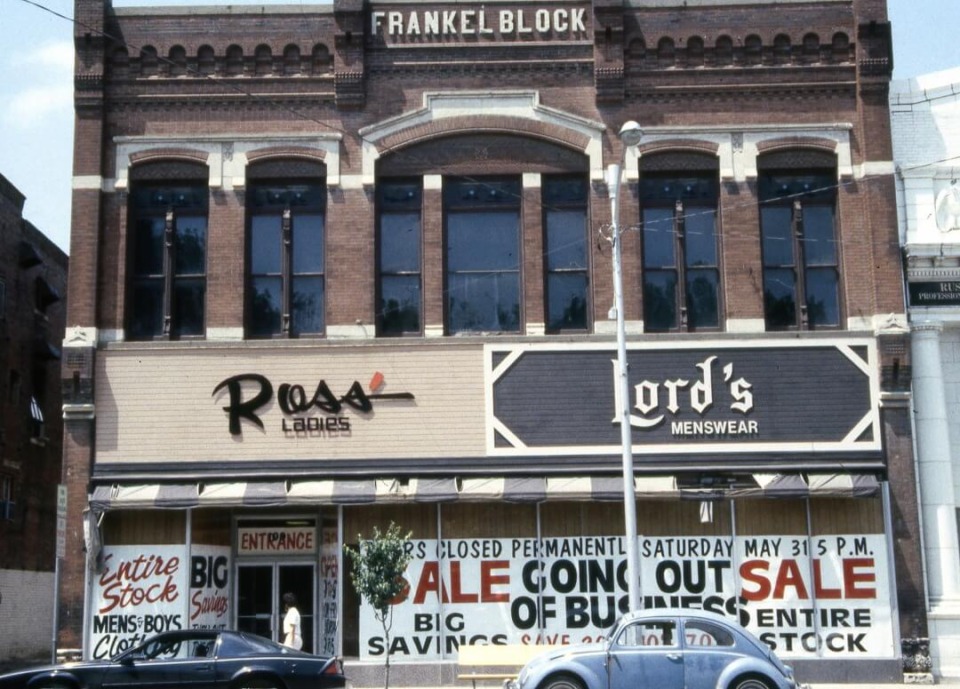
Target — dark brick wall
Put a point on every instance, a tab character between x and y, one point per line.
28	335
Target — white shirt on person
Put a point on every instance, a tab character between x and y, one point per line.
291	629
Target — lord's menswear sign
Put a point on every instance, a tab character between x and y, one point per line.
763	399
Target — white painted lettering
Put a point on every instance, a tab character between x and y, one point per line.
467	18
506	21
449	22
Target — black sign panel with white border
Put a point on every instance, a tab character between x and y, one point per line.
743	397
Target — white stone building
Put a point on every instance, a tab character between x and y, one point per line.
925	115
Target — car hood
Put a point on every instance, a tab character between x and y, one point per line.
63	668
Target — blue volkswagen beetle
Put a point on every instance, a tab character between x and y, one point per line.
662	649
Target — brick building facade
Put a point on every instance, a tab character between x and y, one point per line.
33	275
337	266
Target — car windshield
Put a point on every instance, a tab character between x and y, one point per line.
186	644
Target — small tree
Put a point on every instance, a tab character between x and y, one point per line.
377	575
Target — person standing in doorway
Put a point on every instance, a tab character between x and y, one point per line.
291	622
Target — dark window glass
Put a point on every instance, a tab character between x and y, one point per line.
482	255
286	243
681	271
168	260
565	247
801	264
399	258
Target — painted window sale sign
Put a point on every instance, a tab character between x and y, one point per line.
826	596
147	589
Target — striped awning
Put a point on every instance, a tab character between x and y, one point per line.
448	490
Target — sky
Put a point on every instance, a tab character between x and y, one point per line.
36	88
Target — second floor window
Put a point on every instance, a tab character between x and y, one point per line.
399	258
168	231
286	245
681	271
566	252
482	220
801	264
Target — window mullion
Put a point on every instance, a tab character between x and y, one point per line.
286	270
680	260
800	263
169	247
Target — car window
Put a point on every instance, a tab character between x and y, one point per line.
649	633
698	633
201	648
165	649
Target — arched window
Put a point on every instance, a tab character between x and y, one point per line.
840	47
723	51
781	49
801	253
167	231
206	60
321	59
148	61
811	48
286	207
263	60
695	51
666	53
680	242
234	64
177	65
753	50
291	60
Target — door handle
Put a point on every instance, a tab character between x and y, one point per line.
674	656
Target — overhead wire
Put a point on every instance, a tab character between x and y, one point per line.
725	233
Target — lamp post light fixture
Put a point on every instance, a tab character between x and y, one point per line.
630	134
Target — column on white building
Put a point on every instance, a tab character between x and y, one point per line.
937	503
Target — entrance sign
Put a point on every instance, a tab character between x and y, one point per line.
276	540
823	596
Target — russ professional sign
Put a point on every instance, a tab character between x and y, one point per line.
756	399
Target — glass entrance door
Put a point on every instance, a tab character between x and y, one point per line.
260	588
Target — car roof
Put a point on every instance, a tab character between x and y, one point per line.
648	613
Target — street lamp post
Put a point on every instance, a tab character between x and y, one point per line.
630	134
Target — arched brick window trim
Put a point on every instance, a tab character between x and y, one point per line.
173	154
478	124
263	154
795	142
678	145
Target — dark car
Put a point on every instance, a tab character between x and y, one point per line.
662	649
194	659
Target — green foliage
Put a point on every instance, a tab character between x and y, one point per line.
378	566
